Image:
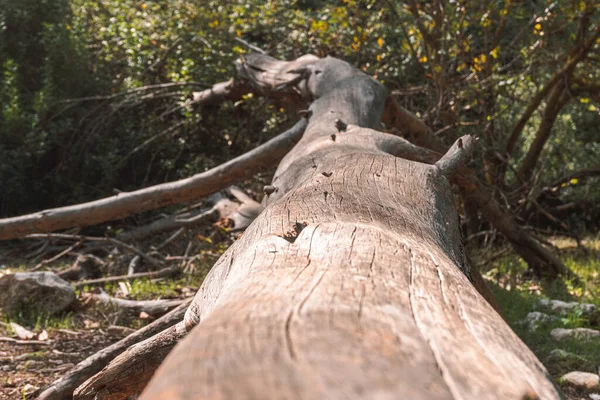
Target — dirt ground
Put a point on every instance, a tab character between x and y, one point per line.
25	369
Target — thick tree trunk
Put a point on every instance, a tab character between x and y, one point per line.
352	283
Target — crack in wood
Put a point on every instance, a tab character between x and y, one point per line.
440	366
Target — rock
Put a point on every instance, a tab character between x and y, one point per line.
582	380
594	396
535	318
563	308
29	390
35	291
559	334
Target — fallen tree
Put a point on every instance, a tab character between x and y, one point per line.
351	283
285	80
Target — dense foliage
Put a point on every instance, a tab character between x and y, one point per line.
81	115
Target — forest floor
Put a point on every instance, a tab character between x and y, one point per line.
24	368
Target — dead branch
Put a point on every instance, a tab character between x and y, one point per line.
153	308
537	256
221	208
136	90
56	257
128	374
250	46
63	388
125	204
86	266
583	173
457	156
151	275
25	342
541	95
232	89
120	330
557	100
396	116
152	261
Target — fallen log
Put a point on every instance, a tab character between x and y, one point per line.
153	197
154	308
64	387
540	259
165	272
113	241
352	283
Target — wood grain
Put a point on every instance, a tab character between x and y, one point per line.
352	283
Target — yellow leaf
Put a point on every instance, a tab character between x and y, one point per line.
592	108
494	53
68	27
538	27
574	181
238	33
380	42
423	59
213	24
144	6
584	100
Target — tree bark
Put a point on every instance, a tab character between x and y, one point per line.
129	373
352	283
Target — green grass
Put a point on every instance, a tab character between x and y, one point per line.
36	321
518	297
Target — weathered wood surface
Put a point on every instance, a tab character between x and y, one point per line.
154	308
130	371
352	283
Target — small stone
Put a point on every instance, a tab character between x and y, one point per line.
594	396
29	389
562	307
535	318
559	334
43	292
582	380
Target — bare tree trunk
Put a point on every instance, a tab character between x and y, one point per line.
352	283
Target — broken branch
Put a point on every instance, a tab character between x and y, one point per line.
64	387
129	203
